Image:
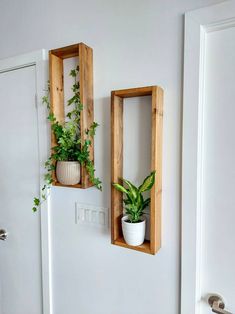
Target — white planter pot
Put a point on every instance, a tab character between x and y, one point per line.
133	233
68	172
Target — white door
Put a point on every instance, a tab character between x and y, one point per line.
208	199
20	253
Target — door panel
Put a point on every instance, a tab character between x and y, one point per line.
208	172
218	190
20	257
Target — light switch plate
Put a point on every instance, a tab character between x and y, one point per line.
91	215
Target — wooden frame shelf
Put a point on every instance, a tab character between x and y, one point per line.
56	57
117	98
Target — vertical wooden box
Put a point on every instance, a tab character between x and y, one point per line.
117	98
56	57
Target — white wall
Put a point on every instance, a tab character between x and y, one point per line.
135	43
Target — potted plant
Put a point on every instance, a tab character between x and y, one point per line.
133	222
69	153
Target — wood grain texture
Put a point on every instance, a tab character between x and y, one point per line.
117	98
66	52
116	164
56	94
145	247
79	185
56	86
156	164
134	92
85	56
86	94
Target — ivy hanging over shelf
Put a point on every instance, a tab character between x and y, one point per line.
68	138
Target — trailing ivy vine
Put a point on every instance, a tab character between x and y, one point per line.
68	138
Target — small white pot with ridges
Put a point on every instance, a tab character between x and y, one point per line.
133	233
68	172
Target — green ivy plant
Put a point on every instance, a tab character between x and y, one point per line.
134	200
68	137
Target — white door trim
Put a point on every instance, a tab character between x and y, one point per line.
38	59
197	24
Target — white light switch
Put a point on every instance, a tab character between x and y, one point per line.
101	218
90	214
94	216
87	215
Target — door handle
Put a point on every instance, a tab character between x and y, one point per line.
3	234
217	304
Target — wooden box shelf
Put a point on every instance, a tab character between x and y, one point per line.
56	68
117	98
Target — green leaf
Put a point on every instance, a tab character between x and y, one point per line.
73	73
127	201
146	203
120	188
140	201
134	201
51	117
132	188
36	201
69	146
148	182
69	115
71	100
88	142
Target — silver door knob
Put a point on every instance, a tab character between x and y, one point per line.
217	304
3	234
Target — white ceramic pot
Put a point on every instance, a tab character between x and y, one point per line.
133	233
68	172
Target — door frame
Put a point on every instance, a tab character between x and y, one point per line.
197	24
38	59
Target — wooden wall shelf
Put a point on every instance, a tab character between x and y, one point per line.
56	57
117	98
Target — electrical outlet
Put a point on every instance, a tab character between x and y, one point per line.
90	214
